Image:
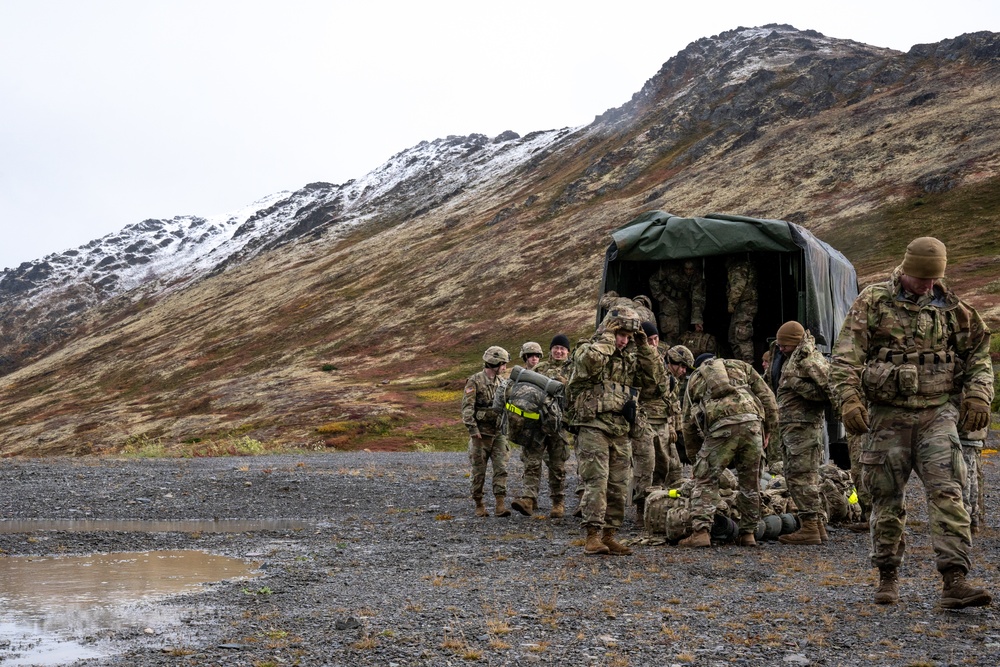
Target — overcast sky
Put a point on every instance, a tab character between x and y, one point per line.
113	111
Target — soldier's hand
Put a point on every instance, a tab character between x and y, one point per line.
640	337
854	414
974	415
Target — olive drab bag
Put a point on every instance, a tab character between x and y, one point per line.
531	404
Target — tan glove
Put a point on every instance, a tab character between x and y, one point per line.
974	415
854	414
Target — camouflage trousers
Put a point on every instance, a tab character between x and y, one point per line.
854	446
738	446
972	493
802	453
900	441
655	461
674	319
667	471
481	452
604	463
741	331
554	454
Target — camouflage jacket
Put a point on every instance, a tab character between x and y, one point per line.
742	282
724	392
604	378
670	283
639	304
803	386
478	413
897	349
654	399
557	370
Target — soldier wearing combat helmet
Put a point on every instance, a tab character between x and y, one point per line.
609	370
486	442
911	368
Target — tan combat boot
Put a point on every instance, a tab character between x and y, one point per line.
525	506
640	514
807	534
480	507
558	509
958	594
746	540
888	586
501	509
699	538
594	545
615	547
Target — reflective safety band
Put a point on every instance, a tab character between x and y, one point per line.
853	498
518	411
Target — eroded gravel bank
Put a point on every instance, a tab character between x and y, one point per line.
397	571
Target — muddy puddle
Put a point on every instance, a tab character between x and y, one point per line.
53	608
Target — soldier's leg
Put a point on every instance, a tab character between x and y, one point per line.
749	449
643	453
592	452
803	444
556	453
941	467
499	454
854	446
741	331
477	461
531	457
886	460
619	471
714	456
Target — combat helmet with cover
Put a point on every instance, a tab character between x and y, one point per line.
622	318
530	347
495	355
680	355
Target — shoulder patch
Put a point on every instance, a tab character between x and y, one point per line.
469	389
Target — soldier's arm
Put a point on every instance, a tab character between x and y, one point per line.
652	373
972	344
469	408
851	350
591	357
656	285
766	398
738	281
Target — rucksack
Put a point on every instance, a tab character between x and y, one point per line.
531	405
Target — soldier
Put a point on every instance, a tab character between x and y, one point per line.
651	450
609	370
729	413
486	442
680	362
802	398
679	289
741	293
553	452
558	365
907	351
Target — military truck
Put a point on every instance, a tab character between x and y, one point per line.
799	277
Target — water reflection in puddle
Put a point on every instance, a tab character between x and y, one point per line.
46	602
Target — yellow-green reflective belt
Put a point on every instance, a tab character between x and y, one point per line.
518	411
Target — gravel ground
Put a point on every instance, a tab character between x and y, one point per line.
396	570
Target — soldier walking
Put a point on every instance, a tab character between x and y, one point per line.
486	442
911	369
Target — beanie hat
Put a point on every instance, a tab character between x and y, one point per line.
925	258
650	329
560	339
790	333
702	358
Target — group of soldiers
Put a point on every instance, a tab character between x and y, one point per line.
909	372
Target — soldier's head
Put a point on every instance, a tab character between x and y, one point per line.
559	347
702	358
765	360
652	333
790	334
531	354
689	266
923	265
495	358
680	360
623	323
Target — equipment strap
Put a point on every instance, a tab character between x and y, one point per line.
518	411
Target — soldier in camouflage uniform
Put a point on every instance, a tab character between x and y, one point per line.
554	451
486	442
558	367
680	363
609	370
741	293
911	369
679	289
729	413
802	399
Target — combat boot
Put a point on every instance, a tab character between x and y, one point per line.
525	506
746	540
615	547
480	507
807	534
558	510
958	594
888	586
699	538
594	545
640	514
501	509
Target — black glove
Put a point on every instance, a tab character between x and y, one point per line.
629	410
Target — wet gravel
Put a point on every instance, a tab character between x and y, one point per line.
394	569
